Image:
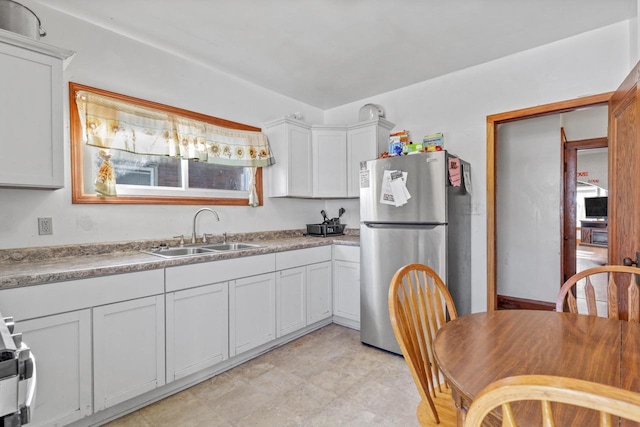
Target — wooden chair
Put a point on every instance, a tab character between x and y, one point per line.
613	277
419	304
607	400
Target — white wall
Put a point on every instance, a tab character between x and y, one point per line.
109	61
586	123
593	167
457	105
528	184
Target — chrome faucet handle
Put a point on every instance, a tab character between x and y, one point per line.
224	237
205	237
181	239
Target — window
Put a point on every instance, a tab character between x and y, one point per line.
199	173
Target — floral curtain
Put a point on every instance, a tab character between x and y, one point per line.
113	124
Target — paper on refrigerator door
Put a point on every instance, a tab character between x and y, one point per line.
394	190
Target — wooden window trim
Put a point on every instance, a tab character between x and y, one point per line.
75	128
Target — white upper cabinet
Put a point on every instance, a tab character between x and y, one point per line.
290	142
365	141
321	161
31	116
329	162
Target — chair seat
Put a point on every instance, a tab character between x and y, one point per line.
444	405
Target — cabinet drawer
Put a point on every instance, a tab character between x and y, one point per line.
43	300
291	259
346	253
190	276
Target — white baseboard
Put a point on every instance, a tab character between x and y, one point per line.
343	321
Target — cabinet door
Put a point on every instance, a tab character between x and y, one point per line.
31	119
300	167
346	290
329	163
61	345
319	298
361	146
291	300
252	317
128	350
197	329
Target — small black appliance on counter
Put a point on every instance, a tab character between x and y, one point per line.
329	227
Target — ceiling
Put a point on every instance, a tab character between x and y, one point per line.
328	53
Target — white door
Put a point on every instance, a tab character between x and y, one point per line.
61	345
33	95
362	145
319	292
346	290
252	317
329	163
300	167
197	329
291	300
128	349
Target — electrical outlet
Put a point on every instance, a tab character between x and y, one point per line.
45	226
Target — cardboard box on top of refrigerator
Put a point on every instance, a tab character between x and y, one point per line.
413	148
434	142
397	142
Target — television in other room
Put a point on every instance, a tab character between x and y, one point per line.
595	207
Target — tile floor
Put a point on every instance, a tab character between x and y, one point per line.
326	378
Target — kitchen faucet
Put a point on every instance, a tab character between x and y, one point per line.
193	234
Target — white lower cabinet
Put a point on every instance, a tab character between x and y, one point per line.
319	296
303	296
197	329
128	350
346	296
252	317
291	300
61	345
303	288
346	286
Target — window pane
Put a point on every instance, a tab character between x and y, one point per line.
136	169
218	177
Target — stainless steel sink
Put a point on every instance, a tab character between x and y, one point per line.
230	246
200	250
179	252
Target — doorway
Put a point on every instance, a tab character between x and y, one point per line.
492	166
585	226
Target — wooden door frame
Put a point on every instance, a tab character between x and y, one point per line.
569	225
492	139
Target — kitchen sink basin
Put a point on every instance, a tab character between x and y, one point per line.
200	250
178	252
230	246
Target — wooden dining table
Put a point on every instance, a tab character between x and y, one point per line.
475	350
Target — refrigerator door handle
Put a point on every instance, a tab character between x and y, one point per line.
405	225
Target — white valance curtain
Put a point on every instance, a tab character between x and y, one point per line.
114	124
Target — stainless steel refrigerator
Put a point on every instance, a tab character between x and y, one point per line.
432	228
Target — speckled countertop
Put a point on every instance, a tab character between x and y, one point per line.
34	266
